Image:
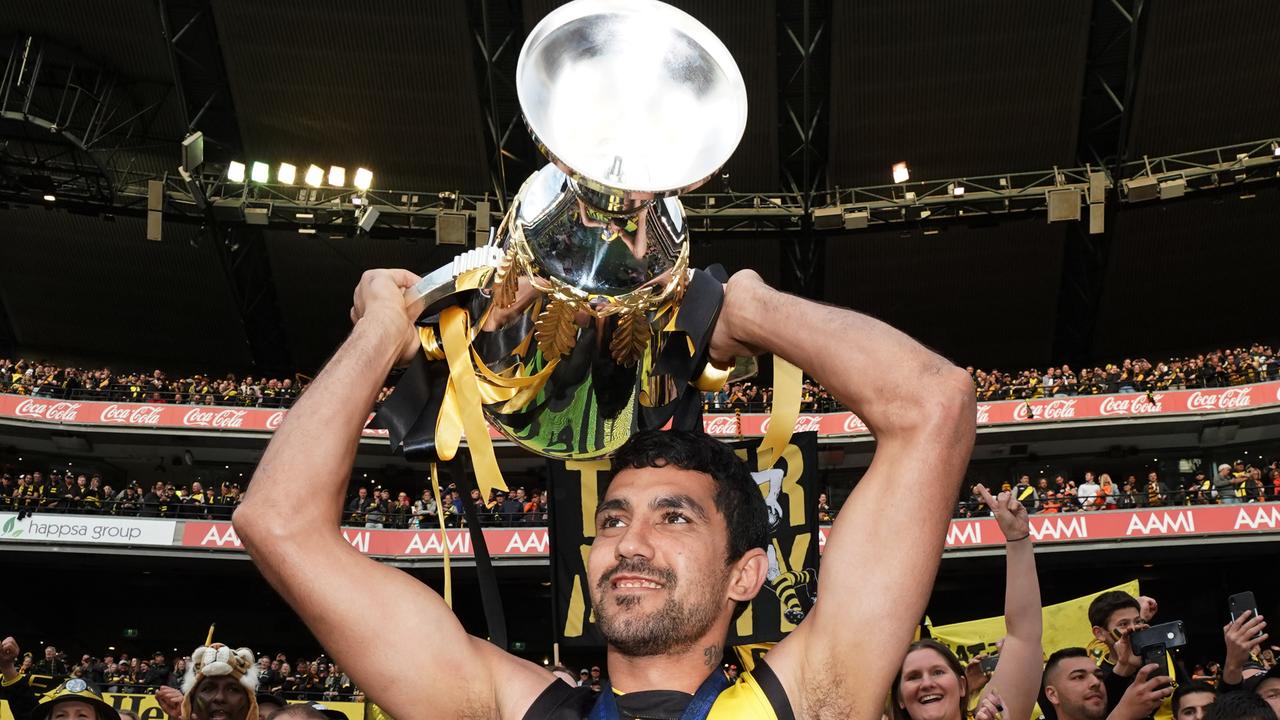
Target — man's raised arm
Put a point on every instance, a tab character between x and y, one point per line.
881	555
389	631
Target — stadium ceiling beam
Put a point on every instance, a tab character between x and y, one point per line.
497	28
198	75
1117	31
804	73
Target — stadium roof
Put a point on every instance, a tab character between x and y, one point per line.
421	92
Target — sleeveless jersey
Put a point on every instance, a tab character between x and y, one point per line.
757	695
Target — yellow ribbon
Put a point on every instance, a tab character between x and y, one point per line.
461	410
787	380
444	537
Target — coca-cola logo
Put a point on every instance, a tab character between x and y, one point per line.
1130	404
46	410
984	414
274	420
222	419
130	414
1229	399
1052	410
720	425
854	424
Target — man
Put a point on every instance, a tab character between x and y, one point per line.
1157	491
1191	699
158	673
1087	493
52	663
358	506
1114	615
1026	494
1224	485
677	550
1072	689
1239	706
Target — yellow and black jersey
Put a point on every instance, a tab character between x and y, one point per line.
757	695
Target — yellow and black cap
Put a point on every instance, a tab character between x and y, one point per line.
78	690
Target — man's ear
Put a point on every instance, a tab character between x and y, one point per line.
748	574
1051	694
1102	635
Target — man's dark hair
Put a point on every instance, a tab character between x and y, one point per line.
1239	705
1189	688
1056	658
737	496
1108	602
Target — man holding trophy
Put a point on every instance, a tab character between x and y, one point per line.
578	332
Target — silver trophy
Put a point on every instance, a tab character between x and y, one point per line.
584	320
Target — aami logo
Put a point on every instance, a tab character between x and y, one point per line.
1263	517
220	536
428	543
533	542
1161	523
963	533
358	539
1059	529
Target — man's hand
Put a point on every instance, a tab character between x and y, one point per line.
1010	515
170	701
1144	696
726	343
1243	636
990	707
9	652
1127	663
381	294
1147	608
975	677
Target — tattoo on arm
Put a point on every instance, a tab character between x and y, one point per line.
711	655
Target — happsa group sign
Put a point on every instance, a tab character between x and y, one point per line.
86	529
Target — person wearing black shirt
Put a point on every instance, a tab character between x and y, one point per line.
158	673
154	502
358	507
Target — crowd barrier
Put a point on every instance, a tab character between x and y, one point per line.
532	542
1004	412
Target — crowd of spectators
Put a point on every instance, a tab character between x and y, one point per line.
65	491
1222	368
1229	483
25	377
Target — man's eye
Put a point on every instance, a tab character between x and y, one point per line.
611	521
675	518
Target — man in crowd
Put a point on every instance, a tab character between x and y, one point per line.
1191	699
1239	705
680	537
158	672
1025	493
52	663
1114	615
1072	688
220	684
358	507
1087	493
1224	485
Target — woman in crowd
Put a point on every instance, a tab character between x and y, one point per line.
1106	498
933	685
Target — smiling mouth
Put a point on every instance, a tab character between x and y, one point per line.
634	583
930	699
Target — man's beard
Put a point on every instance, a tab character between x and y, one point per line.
674	626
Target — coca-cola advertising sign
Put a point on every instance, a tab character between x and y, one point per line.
130	414
214	418
1120	408
50	410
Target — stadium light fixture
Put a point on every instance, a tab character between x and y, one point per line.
363	178
235	171
901	173
337	175
1275	149
315	176
260	172
49	197
287	173
957	190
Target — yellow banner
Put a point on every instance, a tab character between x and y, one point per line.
148	709
1066	624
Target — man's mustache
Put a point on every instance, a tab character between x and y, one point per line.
637	567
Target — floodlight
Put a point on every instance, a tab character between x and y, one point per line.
260	172
1275	149
900	172
363	179
315	176
286	174
956	190
337	175
235	171
49	197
